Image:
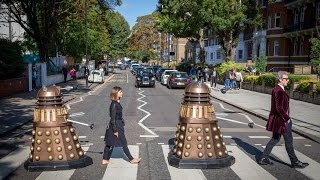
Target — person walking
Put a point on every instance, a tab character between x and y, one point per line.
279	123
239	79
226	80
214	78
65	73
114	136
73	73
34	78
207	74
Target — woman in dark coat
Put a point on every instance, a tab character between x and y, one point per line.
114	136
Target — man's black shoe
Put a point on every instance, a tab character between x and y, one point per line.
299	164
265	161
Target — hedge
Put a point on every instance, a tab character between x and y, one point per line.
304	86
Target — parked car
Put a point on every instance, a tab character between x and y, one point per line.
178	80
134	65
159	73
96	76
143	69
165	75
145	78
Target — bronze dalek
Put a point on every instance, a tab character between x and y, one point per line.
199	142
55	145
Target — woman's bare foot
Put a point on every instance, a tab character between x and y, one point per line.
135	160
104	162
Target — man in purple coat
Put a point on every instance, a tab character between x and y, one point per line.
280	123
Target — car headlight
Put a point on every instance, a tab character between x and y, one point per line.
139	79
152	78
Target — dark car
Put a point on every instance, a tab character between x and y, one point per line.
144	69
178	80
155	69
145	78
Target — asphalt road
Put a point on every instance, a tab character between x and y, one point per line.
151	116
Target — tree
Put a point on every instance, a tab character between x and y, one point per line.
144	38
40	18
315	53
260	63
191	19
10	59
119	31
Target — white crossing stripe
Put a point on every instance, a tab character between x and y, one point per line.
181	174
311	171
245	164
61	175
299	137
227	137
259	137
102	137
82	137
13	160
120	167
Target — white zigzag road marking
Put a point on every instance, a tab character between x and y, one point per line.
145	117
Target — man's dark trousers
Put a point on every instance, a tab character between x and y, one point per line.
288	139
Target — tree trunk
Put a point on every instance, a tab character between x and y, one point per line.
229	48
43	50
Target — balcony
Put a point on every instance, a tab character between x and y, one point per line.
291	4
299	26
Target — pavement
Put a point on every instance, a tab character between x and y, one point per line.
305	116
17	110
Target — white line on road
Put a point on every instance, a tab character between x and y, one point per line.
127	78
259	137
61	175
145	117
181	174
257	144
160	143
101	137
311	171
13	160
82	137
77	122
245	164
77	114
120	168
299	137
231	120
227	137
139	143
246	116
307	145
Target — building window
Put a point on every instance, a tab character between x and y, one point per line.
264	3
218	54
211	56
240	54
302	14
296	16
295	47
301	48
318	11
269	22
277	20
276	48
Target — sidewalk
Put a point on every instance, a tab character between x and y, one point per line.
17	109
305	116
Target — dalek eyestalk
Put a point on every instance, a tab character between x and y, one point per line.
198	142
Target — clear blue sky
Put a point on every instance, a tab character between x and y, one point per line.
131	9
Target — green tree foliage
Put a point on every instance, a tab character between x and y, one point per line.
45	20
226	18
260	63
119	31
10	60
143	39
315	52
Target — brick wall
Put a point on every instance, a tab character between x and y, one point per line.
12	86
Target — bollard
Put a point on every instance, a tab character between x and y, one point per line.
55	144
198	142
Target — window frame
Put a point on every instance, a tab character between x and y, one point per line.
276	17
276	52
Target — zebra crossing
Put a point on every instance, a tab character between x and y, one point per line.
245	166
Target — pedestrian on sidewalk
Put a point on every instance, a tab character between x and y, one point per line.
226	80
73	73
114	136
214	78
65	73
279	123
239	79
34	78
207	74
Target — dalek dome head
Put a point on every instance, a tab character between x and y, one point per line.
49	96
197	92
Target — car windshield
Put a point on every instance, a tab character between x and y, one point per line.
95	73
168	72
180	75
145	73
